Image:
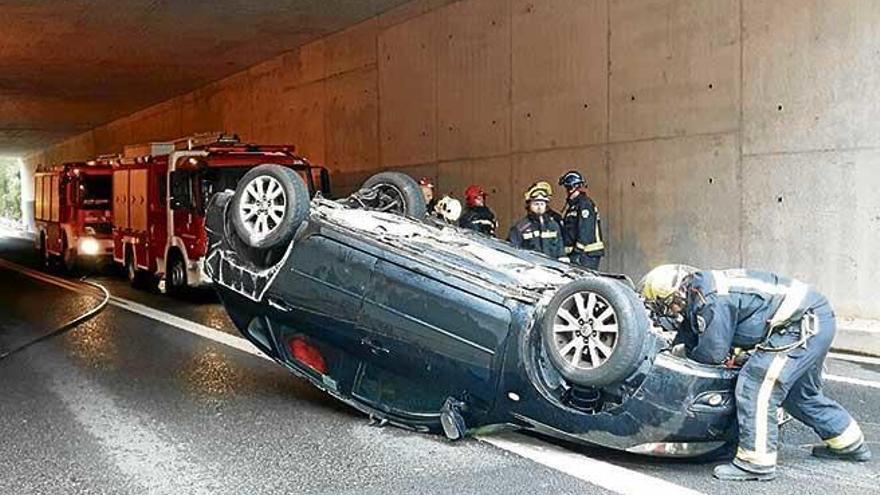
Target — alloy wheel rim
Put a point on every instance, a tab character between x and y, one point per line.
263	206
585	330
390	198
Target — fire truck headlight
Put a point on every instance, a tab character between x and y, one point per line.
89	246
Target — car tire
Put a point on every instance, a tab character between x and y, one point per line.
594	331
269	205
402	188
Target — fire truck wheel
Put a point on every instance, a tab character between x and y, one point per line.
44	252
139	279
270	203
175	275
68	256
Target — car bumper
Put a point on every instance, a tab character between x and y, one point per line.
92	248
681	409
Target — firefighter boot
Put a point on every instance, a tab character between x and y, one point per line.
858	454
732	472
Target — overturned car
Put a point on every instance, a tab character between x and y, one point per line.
433	328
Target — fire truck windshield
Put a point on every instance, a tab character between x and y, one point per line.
95	192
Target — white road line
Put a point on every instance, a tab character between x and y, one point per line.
854	358
142	454
609	476
224	338
852	381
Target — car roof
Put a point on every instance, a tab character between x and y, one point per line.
456	251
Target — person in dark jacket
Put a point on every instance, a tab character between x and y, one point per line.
545	186
581	223
477	216
538	231
787	326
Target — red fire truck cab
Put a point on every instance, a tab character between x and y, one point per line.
161	191
72	213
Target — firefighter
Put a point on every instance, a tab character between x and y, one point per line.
427	186
581	224
545	186
787	328
538	231
477	216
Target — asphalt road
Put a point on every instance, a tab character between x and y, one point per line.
127	403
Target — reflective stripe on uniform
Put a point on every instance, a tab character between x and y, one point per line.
548	235
765	459
589	248
724	282
762	404
794	298
569	249
484	222
851	436
528	235
793	295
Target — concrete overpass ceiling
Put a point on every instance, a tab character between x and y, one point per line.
69	66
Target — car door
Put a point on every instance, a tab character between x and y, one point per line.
318	296
431	337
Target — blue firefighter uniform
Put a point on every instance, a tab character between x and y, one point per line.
538	233
790	327
479	218
583	231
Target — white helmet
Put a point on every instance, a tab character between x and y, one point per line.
449	208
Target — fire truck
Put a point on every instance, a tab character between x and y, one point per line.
161	192
72	211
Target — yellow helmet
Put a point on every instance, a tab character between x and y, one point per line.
545	186
663	282
536	191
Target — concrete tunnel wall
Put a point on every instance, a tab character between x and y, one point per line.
718	133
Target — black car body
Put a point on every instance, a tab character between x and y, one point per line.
407	320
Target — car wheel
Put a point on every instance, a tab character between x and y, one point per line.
398	193
594	331
270	203
175	275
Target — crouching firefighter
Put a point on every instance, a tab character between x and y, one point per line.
788	327
538	231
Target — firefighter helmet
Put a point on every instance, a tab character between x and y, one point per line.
662	286
449	208
572	179
544	185
537	192
471	194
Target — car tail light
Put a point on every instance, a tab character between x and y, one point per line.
307	354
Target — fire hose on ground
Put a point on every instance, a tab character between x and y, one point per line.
67	326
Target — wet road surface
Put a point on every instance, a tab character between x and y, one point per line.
126	403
